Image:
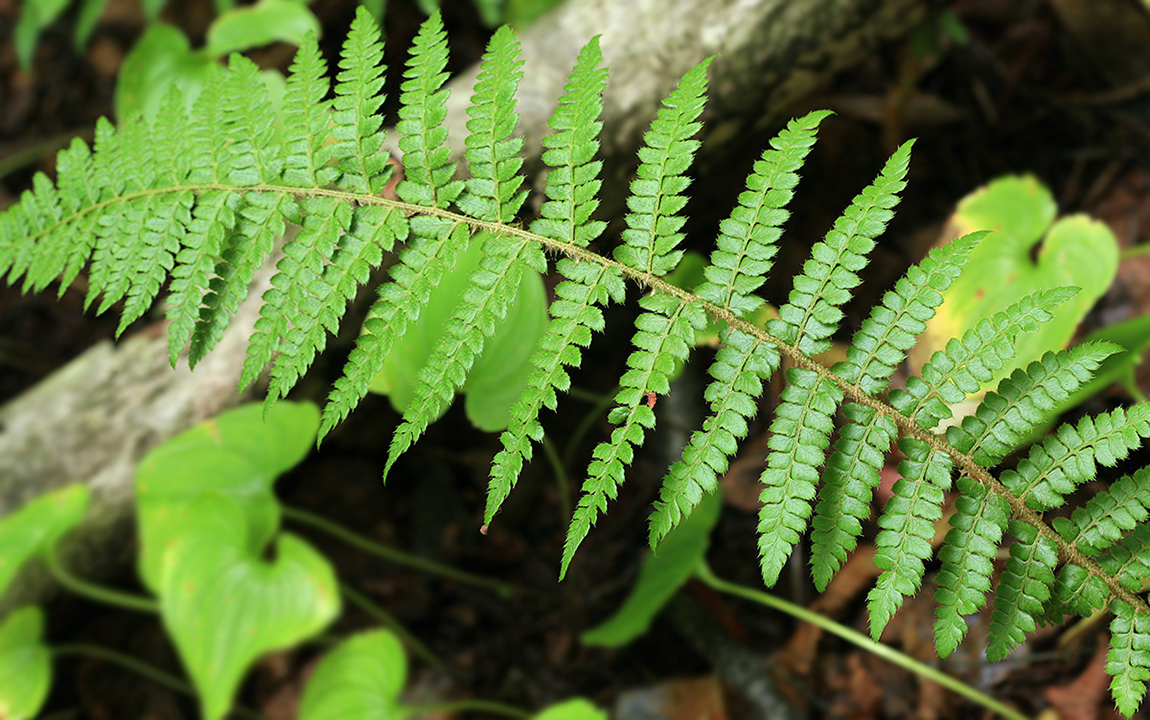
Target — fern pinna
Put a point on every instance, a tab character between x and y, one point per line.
201	195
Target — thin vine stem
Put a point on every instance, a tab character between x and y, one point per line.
336	530
100	594
386	619
886	652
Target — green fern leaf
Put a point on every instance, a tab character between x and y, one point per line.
1128	662
1129	560
666	330
967	556
426	167
572	188
800	434
853	467
745	250
965	364
812	311
253	155
844	499
904	542
1023	589
421	266
739	369
1077	590
1025	401
260	223
357	123
307	114
1108	515
664	336
494	193
1064	460
653	223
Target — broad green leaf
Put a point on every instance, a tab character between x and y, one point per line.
239	454
499	375
25	664
90	13
161	58
361	679
225	606
663	572
1134	336
253	26
574	709
1010	263
35	528
521	13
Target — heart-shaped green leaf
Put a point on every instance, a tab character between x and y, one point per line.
37	527
264	23
240	453
574	709
361	679
25	664
224	605
663	572
162	58
499	374
1076	251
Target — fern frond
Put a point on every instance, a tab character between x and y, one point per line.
800	434
1102	521
966	363
494	193
666	330
882	341
357	123
1128	662
744	253
1023	589
904	542
1060	463
427	170
572	187
980	518
1025	401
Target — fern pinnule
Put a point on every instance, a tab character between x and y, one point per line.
259	225
61	254
852	470
1128	662
254	154
1056	466
1108	515
665	333
494	193
969	362
665	330
1024	401
1129	559
812	311
967	556
1023	589
495	189
357	122
907	526
572	196
800	434
744	253
428	172
307	113
421	266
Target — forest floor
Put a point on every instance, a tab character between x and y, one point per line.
1051	89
